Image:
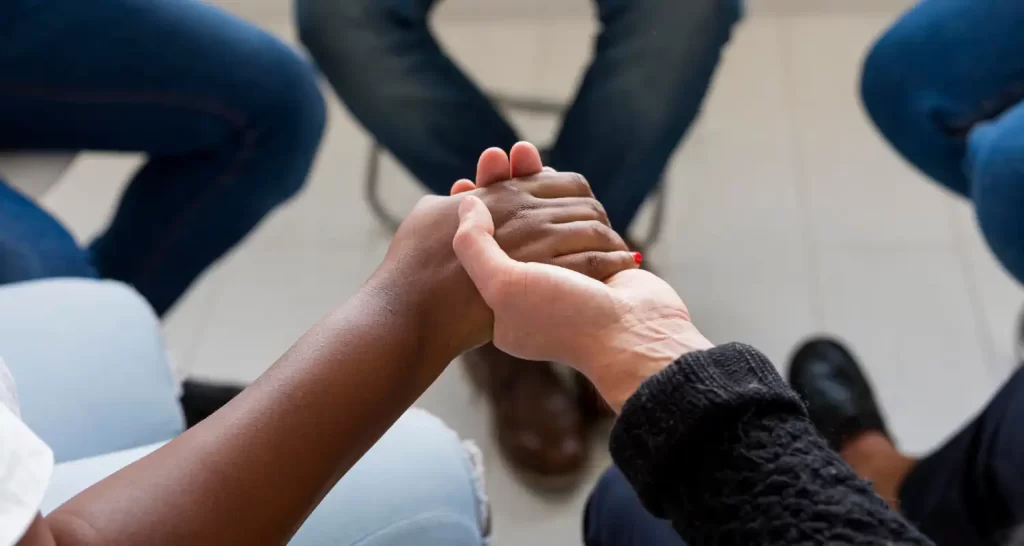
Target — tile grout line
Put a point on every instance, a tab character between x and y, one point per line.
202	324
811	251
982	328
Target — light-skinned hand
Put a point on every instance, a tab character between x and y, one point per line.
617	333
547	217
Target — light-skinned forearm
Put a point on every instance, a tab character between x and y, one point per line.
252	472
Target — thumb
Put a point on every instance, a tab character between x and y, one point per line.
476	248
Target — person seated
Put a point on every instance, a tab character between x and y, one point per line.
709	436
104	396
270	459
944	85
229	118
969	491
966	492
653	63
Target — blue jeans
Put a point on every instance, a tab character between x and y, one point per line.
94	383
229	117
653	62
945	85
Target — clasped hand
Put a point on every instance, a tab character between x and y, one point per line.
539	216
532	263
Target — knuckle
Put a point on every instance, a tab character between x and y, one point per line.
594	263
462	238
598	209
426	201
594	230
580	184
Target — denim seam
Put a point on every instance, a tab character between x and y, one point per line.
233	117
191	209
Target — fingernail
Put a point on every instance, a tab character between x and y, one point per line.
638	258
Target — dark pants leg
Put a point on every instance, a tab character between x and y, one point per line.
971	490
615	517
386	67
652	64
229	117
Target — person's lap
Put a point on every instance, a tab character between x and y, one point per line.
614	516
94	383
968	492
653	63
415	486
89	362
229	117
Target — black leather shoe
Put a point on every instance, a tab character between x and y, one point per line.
838	397
199	399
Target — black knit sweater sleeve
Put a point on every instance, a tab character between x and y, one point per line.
719	444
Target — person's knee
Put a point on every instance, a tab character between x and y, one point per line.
666	54
995	164
352	41
693	33
428	480
297	105
891	96
322	23
880	91
292	113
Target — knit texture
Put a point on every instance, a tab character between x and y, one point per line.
719	444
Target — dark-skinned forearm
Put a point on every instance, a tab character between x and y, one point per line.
253	471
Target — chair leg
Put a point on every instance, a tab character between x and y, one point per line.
539	106
657	218
372	189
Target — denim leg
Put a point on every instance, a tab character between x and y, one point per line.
416	486
653	63
388	69
614	516
229	117
34	244
996	165
970	491
89	362
943	67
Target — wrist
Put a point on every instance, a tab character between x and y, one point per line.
626	358
414	313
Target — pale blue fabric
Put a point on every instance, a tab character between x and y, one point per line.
95	384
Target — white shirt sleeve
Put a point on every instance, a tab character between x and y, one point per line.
26	463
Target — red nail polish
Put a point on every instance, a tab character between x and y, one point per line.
638	258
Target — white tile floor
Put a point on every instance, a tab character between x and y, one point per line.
788	217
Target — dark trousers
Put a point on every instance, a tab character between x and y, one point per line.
968	492
653	62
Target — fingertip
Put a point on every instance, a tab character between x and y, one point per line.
492	167
549	170
461	186
525	159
